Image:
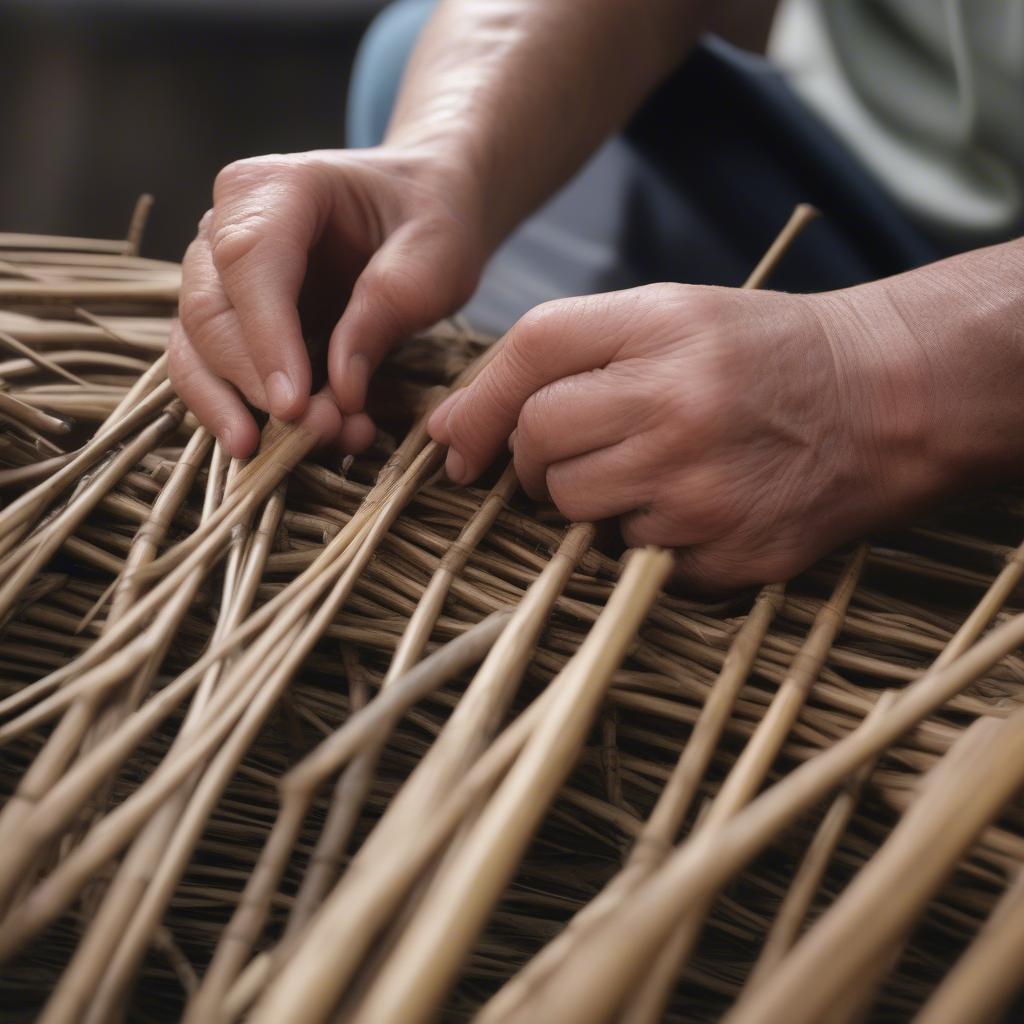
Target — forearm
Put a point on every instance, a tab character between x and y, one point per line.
519	92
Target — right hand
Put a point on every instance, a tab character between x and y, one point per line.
369	245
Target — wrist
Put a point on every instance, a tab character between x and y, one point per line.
890	408
452	163
933	361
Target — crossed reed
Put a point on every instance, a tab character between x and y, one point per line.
291	738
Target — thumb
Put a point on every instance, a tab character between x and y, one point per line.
415	279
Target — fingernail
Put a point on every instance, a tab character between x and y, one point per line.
512	443
455	467
224	437
280	392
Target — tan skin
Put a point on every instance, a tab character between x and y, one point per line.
753	431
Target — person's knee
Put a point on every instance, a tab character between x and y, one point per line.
380	61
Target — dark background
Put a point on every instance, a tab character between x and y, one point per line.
104	99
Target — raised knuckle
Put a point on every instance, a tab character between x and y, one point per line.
198	309
707	569
401	289
232	242
519	365
502	390
539	327
249	172
729	565
571	500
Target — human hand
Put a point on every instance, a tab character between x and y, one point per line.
368	245
753	431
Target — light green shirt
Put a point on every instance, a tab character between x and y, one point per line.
929	94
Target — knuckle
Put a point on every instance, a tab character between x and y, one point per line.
522	353
715	569
569	499
400	288
730	565
232	242
198	309
649	525
498	393
535	328
241	175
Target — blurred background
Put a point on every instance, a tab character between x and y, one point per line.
104	99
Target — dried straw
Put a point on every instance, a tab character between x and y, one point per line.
298	742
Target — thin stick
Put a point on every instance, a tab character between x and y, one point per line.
648	1002
802	215
353	928
513	813
603	971
981	771
985	978
798	899
659	831
367	727
350	792
138	222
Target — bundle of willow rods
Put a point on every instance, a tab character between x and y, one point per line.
303	739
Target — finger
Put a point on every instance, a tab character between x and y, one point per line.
712	569
357	434
685	525
267	214
210	321
323	417
573	416
215	402
558	339
600	484
703	571
734	562
415	279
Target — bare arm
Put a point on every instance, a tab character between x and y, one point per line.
502	101
522	91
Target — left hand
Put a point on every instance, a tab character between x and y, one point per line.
754	431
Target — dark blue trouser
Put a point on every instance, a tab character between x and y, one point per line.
694	190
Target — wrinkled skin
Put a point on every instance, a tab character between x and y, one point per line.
368	246
753	431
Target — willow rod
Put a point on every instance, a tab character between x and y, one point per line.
614	955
